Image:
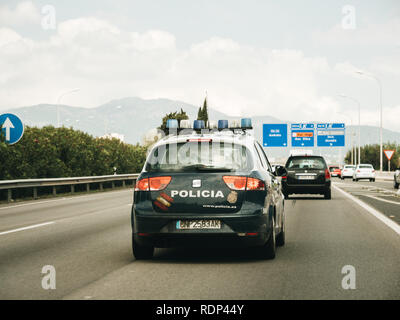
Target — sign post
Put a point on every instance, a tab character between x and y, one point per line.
389	154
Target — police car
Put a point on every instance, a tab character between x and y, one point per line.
207	187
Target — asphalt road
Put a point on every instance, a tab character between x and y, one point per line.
88	241
375	195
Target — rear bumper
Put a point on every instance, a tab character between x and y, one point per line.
364	176
203	240
306	188
160	231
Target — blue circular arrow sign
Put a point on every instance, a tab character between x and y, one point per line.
12	127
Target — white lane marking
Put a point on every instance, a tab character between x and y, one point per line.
384	200
61	199
391	224
27	228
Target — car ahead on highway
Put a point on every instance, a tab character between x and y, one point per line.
364	171
397	178
347	171
207	190
335	171
306	175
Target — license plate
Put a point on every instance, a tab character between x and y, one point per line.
198	224
306	177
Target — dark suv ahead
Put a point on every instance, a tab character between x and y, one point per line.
306	175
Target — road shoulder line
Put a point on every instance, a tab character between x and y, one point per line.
27	228
391	224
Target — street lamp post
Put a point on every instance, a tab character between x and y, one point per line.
58	103
381	117
353	160
359	124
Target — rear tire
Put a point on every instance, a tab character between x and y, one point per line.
280	239
328	194
373	180
396	185
268	250
141	252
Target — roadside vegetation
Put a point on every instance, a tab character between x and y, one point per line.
370	154
50	152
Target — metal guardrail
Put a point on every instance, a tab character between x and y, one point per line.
9	185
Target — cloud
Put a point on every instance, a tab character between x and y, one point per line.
24	13
107	62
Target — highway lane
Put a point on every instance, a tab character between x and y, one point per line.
374	194
87	240
89	245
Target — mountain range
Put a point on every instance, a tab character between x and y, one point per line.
133	117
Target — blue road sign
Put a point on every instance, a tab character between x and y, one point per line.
331	135
12	127
275	135
302	134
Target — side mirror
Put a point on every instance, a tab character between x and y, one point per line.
280	171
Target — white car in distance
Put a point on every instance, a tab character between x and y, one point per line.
364	171
347	171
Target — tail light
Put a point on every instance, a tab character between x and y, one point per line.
142	185
284	177
235	182
255	184
243	183
373	170
327	174
159	183
358	171
152	184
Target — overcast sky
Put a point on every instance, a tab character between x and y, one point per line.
289	59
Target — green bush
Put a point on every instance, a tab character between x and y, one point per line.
50	152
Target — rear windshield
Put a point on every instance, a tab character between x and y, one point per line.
306	163
195	156
365	166
349	167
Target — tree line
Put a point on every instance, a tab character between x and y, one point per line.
51	152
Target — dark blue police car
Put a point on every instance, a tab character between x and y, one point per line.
207	187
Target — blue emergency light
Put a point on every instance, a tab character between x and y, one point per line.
222	124
172	124
245	123
198	124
